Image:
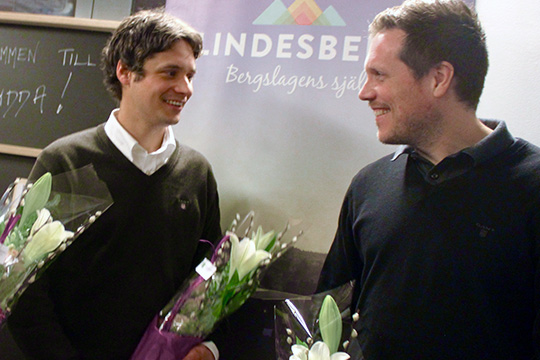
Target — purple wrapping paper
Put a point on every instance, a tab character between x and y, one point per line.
162	345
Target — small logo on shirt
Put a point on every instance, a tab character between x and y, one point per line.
184	203
484	230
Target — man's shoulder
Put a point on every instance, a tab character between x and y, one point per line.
524	155
189	155
530	148
383	166
69	152
375	176
78	139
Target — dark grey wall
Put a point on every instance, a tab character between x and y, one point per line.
146	4
13	166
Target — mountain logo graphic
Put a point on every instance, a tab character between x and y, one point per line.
301	12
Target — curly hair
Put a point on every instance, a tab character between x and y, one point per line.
139	37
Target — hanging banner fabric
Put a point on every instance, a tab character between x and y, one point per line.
276	107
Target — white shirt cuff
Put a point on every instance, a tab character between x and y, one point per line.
213	348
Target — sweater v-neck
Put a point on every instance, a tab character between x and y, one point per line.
123	161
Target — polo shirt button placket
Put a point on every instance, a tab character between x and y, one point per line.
434	176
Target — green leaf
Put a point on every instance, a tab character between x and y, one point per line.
330	323
300	342
262	240
235	279
37	197
270	246
15	239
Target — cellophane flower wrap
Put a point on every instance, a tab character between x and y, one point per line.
40	220
221	285
317	327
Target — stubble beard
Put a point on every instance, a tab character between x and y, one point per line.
418	131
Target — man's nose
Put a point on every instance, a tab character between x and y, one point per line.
184	85
366	92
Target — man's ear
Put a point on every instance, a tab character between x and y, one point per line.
443	74
123	73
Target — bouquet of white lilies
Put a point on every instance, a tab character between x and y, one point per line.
38	221
218	288
302	336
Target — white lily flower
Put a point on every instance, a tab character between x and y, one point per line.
262	240
44	217
45	240
244	256
300	352
319	351
340	356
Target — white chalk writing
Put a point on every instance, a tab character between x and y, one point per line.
71	57
13	101
13	55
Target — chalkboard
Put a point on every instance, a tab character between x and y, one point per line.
50	80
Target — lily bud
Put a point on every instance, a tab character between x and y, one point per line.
37	196
330	323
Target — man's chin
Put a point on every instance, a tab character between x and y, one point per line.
388	140
173	121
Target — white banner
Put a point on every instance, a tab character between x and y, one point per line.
276	107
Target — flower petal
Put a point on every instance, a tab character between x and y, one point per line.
340	356
234	261
247	247
238	252
241	251
262	241
319	351
44	217
252	262
45	240
299	352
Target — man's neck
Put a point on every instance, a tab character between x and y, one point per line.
458	135
149	137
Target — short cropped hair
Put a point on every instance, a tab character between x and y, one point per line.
139	37
436	31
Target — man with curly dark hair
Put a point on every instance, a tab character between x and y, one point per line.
98	297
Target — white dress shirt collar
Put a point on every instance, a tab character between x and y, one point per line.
148	163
